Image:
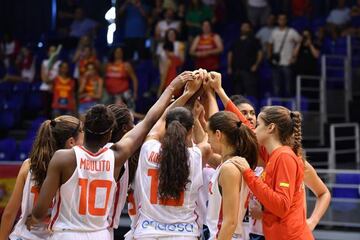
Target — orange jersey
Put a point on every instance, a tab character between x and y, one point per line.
117	78
90	89
175	63
64	94
281	191
84	62
211	62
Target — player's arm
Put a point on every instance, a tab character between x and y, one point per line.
134	138
49	188
14	203
229	180
323	197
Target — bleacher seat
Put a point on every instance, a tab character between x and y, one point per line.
342	192
23	150
7	120
7	149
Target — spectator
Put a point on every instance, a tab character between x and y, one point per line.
264	33
83	42
10	48
91	87
307	54
339	16
134	14
63	102
156	15
117	82
206	48
282	43
195	16
171	66
88	56
166	24
65	16
179	49
244	59
26	62
258	12
49	71
81	25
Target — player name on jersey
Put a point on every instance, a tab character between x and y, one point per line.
99	166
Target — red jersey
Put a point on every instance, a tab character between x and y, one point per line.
64	94
84	62
281	191
210	63
175	63
90	89
117	78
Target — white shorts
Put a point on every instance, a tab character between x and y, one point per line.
72	235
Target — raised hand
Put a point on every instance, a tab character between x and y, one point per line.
179	82
198	109
215	80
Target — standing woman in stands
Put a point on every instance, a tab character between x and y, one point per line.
281	191
117	81
62	132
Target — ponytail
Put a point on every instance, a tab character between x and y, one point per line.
173	157
297	145
43	149
174	167
246	145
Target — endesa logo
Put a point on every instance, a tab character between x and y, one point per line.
176	227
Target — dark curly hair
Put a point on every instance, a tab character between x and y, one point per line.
99	120
174	165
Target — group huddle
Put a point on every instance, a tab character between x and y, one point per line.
186	171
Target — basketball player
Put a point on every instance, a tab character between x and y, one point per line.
86	176
62	132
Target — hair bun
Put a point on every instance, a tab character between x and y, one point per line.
53	123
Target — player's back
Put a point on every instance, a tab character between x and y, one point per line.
158	217
83	203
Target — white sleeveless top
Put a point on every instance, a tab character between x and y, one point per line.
214	210
133	209
174	218
83	203
29	196
255	225
119	196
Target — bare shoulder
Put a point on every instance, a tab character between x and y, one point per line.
63	157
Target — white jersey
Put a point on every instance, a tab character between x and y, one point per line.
214	211
208	172
170	218
83	203
120	195
255	225
133	209
29	196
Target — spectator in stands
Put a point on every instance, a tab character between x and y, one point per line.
156	15
26	63
135	14
206	48
83	42
91	88
172	63
258	12
171	36
10	48
13	72
244	59
283	42
65	16
338	19
82	25
63	102
300	8
196	14
168	22
49	71
88	56
307	54
117	81
264	33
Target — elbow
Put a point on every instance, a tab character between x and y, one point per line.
283	209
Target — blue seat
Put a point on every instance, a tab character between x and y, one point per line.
341	192
7	120
7	149
23	150
300	23
37	122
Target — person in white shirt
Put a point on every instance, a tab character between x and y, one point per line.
258	12
282	43
339	16
265	32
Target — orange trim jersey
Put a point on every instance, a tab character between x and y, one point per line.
281	192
